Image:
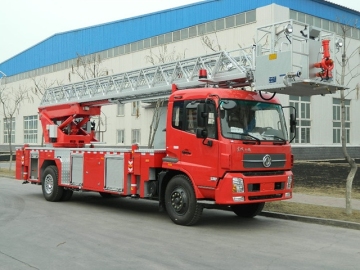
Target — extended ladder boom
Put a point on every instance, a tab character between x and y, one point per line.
284	60
233	68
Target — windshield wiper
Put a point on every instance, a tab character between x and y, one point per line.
248	135
274	136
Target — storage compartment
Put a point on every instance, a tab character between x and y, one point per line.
114	172
77	172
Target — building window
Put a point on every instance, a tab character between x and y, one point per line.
201	29
230	21
193	31
127	48
184	33
7	123
135	108
168	38
240	19
140	44
302	106
176	36
337	120
220	24
120	109
30	129
293	15
146	43
161	39
250	16
210	27
134	46
309	19
301	17
120	136
154	41
135	136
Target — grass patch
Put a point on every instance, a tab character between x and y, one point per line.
4	172
310	210
330	191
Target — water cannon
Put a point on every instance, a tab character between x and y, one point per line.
326	64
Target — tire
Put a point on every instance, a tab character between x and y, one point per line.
248	210
50	188
67	194
180	201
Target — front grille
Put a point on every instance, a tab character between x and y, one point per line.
264	173
257	160
264	197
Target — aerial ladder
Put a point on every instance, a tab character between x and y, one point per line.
284	60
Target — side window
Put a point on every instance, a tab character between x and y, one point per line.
191	120
211	122
184	117
178	115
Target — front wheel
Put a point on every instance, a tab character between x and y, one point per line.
50	188
248	210
180	201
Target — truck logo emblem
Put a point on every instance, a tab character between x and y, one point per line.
267	161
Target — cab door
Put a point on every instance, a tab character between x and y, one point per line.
199	156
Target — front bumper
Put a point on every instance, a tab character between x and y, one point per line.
262	188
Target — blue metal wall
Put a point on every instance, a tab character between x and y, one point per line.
67	45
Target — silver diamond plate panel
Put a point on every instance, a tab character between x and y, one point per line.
64	156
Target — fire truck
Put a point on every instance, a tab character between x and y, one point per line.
225	143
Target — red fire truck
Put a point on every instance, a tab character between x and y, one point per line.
221	147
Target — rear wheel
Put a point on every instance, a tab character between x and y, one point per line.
180	201
248	210
50	188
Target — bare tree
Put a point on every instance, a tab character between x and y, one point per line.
163	56
11	100
349	72
212	44
41	84
88	67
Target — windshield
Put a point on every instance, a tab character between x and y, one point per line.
253	120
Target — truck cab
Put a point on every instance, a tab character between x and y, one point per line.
232	145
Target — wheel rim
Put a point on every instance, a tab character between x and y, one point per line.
49	184
179	200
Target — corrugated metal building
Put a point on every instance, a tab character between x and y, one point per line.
65	46
229	23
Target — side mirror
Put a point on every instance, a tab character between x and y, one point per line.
202	115
292	123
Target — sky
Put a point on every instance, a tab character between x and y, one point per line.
24	23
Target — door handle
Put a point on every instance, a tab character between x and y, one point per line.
186	152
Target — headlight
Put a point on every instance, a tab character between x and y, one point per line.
289	182
238	185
